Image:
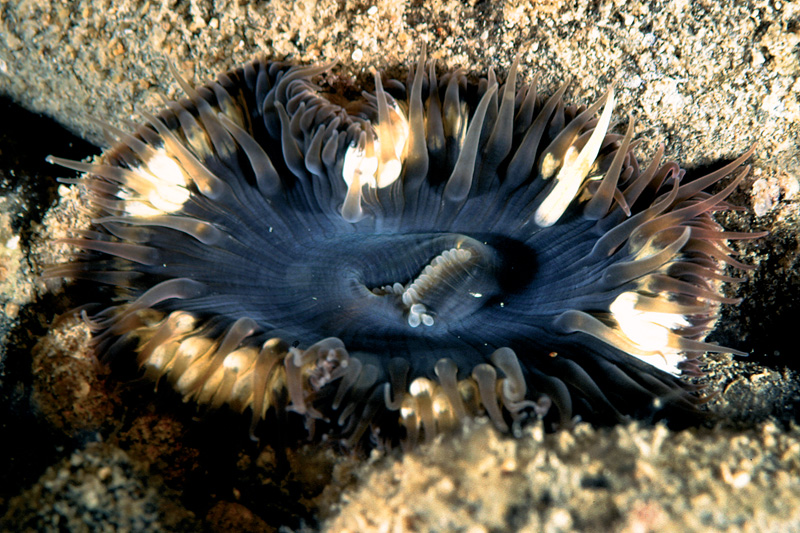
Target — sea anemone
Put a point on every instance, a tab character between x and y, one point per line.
386	267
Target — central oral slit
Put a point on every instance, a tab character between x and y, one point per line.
453	284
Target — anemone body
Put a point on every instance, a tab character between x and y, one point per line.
436	250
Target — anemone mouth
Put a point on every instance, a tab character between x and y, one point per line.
437	250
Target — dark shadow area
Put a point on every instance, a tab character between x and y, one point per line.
28	183
25	140
762	323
